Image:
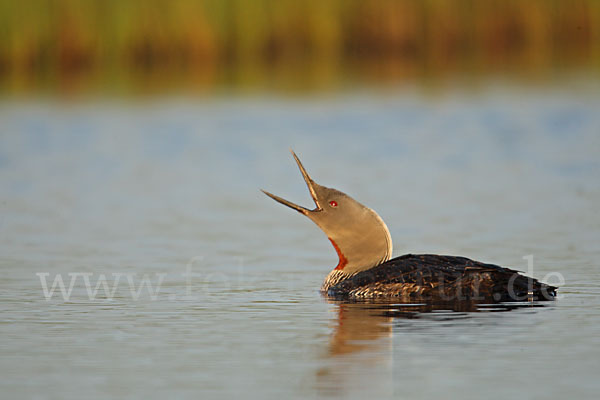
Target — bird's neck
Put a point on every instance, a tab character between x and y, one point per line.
365	246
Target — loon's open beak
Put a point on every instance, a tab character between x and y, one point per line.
311	188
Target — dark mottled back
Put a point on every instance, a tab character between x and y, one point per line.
442	278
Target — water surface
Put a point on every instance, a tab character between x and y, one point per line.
169	189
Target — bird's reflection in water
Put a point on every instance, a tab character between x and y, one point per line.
360	348
359	324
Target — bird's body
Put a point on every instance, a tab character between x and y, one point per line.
437	278
365	270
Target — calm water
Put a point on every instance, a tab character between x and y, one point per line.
167	191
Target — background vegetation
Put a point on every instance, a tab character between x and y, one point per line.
123	45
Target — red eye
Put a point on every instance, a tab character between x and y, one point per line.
333	203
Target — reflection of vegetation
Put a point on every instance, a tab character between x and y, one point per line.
246	41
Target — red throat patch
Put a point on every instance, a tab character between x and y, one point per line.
343	260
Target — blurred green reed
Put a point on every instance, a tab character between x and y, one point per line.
62	45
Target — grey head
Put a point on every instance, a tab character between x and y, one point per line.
358	234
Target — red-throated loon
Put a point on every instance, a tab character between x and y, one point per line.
365	270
